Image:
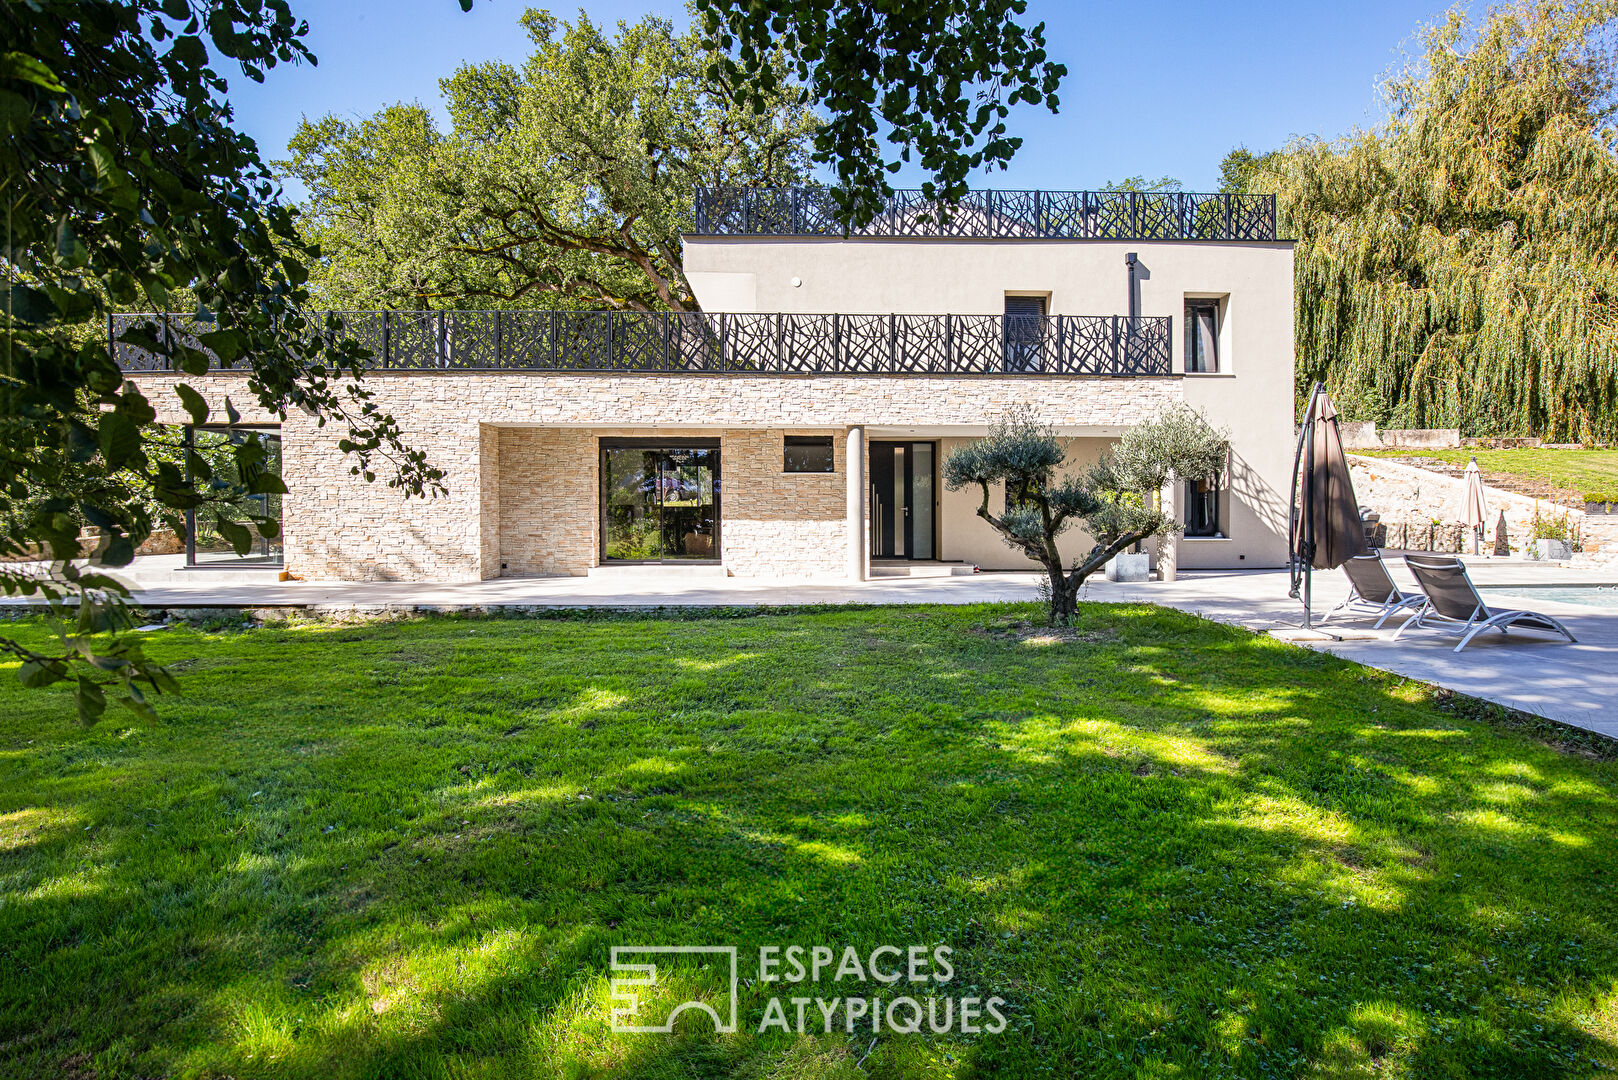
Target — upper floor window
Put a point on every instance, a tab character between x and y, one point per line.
807	453
1201	336
1025	333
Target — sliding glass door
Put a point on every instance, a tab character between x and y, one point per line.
218	454
659	500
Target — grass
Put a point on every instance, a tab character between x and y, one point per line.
405	849
1592	473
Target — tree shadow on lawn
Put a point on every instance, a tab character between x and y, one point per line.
1237	859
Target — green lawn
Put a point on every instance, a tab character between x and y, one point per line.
1175	849
1592	473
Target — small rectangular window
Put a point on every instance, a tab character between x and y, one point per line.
1202	337
1202	508
807	453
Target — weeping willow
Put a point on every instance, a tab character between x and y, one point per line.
1456	265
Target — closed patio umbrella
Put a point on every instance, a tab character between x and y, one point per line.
1326	530
1477	505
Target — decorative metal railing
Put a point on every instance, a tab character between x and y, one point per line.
696	343
1026	215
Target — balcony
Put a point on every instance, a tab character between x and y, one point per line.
699	343
995	215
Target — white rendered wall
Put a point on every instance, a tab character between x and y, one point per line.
1251	395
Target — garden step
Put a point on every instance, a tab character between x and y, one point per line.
657	571
924	570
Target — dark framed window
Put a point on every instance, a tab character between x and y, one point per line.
1202	508
234	455
807	453
1202	336
1025	333
1012	501
660	500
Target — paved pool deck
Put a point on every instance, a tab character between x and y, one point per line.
1576	684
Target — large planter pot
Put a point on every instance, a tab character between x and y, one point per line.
1129	567
1600	509
1553	549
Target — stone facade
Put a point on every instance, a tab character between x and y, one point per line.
780	524
545	513
520	458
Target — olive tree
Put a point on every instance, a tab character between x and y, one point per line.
1117	499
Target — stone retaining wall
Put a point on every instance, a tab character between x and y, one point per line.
1411	499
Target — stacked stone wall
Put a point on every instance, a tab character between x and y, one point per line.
520	464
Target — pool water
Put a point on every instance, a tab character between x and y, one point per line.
1597	596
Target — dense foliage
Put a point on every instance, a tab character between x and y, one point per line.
1116	498
1456	265
564	183
126	187
936	81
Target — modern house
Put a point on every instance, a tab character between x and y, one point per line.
795	428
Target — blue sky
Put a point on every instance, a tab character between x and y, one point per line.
1164	88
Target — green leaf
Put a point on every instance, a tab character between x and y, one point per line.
136	703
118	438
106	165
225	344
236	534
264	482
195	404
189	50
69	248
31	306
91	700
120	551
20	67
35	674
15	112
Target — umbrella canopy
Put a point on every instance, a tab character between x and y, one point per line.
1477	505
1326	530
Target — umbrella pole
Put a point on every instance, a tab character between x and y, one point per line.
1306	534
1309	518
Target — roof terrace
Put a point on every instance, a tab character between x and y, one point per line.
995	215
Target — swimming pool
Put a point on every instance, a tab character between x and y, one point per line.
1597	596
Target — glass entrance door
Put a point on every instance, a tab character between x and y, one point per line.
659	501
903	505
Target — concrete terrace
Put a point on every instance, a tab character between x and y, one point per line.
1573	684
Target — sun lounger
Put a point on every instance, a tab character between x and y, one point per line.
1453	599
1374	594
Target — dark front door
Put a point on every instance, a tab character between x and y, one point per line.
903	505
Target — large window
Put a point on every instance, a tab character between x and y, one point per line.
660	500
1202	337
214	452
